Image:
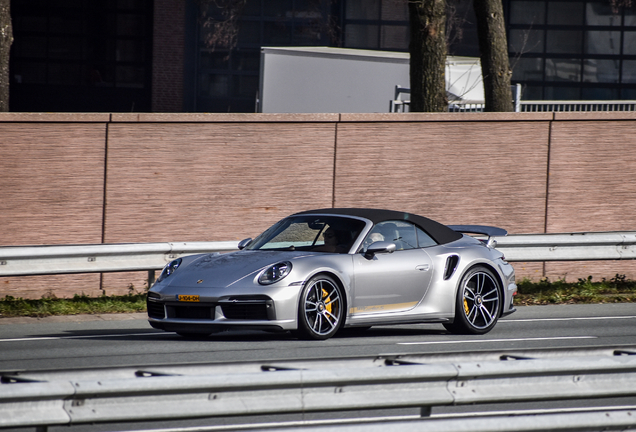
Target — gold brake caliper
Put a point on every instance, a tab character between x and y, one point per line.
466	307
325	296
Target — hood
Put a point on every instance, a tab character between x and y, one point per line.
223	270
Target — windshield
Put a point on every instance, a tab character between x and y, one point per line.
331	234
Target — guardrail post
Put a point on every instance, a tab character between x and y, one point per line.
151	278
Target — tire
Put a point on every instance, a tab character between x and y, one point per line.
321	308
478	303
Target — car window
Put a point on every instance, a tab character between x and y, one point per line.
423	239
311	233
297	234
404	234
401	233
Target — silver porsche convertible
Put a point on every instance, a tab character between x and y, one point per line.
316	272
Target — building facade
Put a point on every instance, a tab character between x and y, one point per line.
192	56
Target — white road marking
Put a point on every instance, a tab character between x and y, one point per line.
399	343
496	340
568	319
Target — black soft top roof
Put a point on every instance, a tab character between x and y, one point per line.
439	232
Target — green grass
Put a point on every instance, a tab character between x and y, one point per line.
616	290
79	304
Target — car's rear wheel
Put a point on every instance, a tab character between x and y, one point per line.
478	302
321	308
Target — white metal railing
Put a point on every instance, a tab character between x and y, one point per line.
401	102
156	395
567	106
551	106
103	258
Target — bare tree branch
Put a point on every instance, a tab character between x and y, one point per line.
220	18
6	39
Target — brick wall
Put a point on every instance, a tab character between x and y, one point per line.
75	179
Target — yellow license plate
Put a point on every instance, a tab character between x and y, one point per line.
188	298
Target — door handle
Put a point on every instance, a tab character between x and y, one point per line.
423	267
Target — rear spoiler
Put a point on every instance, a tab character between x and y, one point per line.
489	231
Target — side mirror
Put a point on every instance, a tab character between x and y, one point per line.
379	247
244	243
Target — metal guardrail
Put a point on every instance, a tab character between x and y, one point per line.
43	260
100	258
568	247
394	383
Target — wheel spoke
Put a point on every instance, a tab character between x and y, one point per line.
333	300
484	312
493	291
472	309
481	278
469	291
332	292
317	323
329	317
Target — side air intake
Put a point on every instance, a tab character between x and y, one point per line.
451	266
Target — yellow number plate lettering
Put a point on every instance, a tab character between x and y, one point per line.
188	298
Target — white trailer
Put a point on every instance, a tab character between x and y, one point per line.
341	80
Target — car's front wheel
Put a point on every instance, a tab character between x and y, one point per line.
478	303
321	308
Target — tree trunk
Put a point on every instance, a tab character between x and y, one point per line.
495	68
428	55
6	39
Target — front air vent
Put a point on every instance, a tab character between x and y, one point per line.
155	310
252	308
194	312
245	311
451	266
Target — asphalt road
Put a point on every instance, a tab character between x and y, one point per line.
52	346
127	340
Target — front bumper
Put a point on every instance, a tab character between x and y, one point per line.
207	317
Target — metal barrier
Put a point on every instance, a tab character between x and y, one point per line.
401	103
100	258
568	247
42	260
548	106
394	383
569	106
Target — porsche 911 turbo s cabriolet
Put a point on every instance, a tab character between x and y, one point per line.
318	271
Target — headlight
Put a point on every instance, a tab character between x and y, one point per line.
275	273
169	269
